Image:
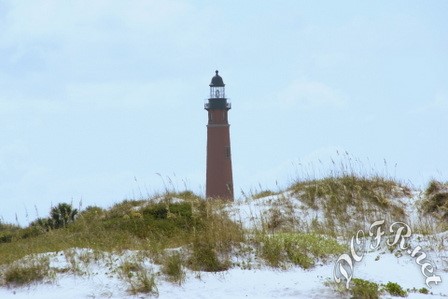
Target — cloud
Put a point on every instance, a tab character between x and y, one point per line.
311	94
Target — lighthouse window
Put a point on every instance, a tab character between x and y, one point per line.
228	152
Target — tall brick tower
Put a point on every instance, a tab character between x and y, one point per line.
219	182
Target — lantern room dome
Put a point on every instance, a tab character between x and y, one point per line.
217	81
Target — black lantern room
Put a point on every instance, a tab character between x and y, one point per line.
217	87
217	98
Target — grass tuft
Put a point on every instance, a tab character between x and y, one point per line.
26	271
264	193
139	279
436	200
172	267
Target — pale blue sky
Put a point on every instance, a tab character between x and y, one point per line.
96	97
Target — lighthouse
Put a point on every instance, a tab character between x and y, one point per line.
219	181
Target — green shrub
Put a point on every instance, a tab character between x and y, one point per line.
172	267
395	289
299	258
272	251
204	256
298	248
423	291
363	289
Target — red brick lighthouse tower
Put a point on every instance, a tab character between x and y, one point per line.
219	182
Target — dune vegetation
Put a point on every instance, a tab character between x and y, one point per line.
179	231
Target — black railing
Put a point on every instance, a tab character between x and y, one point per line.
217	103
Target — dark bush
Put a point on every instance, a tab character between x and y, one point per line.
6	237
62	215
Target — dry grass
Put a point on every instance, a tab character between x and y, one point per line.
435	201
139	278
26	271
203	228
173	268
351	202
